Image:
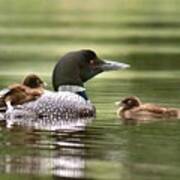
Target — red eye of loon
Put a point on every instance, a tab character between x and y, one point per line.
92	62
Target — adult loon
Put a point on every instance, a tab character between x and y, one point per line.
69	75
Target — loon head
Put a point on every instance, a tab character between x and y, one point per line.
77	67
33	81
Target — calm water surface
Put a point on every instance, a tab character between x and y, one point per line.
103	149
143	33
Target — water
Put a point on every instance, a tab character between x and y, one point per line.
106	148
34	34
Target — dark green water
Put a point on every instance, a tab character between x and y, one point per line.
143	33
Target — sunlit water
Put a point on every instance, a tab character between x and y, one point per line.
143	33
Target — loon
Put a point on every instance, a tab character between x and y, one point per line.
131	108
30	89
69	75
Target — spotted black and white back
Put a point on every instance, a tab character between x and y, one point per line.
61	104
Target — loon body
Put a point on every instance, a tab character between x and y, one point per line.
70	99
60	104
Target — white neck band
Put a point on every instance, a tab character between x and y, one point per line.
71	88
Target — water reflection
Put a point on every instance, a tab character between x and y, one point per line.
45	149
146	121
59	165
49	123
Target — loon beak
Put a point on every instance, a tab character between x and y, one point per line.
112	65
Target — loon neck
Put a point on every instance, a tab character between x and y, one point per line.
81	91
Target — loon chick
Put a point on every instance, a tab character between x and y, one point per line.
69	75
131	108
30	89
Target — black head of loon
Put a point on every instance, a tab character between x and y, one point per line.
77	67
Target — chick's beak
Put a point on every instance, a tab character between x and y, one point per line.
118	103
44	84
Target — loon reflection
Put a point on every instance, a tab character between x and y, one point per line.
49	123
53	153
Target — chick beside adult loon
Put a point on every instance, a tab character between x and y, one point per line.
131	108
69	75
